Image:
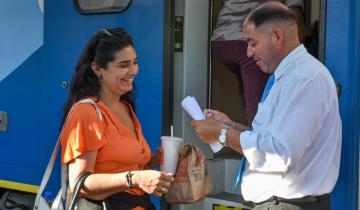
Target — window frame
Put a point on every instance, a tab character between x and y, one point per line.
97	12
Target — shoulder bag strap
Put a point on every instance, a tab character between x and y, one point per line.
50	165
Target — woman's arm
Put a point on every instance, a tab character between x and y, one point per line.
100	186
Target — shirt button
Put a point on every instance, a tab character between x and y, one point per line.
143	151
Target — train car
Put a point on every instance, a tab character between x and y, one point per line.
41	41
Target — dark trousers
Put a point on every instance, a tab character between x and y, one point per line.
322	203
232	54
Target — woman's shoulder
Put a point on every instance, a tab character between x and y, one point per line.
85	109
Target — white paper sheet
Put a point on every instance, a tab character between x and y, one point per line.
192	107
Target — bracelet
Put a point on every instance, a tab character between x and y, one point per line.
129	182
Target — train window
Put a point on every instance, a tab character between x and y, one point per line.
89	7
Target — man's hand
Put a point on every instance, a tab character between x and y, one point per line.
223	118
207	130
217	115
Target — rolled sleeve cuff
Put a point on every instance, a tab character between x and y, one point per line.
248	142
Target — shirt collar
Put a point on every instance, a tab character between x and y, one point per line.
286	63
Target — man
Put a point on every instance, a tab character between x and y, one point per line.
293	149
229	48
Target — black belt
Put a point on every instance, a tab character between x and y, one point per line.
305	199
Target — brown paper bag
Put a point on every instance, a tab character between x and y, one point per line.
192	181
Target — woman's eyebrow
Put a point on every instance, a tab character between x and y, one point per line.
127	61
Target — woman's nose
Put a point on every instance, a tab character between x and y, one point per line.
133	69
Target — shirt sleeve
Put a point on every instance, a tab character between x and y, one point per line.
290	130
83	132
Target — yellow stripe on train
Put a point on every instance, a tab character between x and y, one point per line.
19	186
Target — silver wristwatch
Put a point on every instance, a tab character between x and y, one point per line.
223	137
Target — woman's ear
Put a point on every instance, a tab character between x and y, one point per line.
96	69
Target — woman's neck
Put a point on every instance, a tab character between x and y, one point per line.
110	100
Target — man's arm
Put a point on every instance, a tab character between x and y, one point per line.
209	130
234	140
222	117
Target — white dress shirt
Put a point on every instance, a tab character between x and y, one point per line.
294	147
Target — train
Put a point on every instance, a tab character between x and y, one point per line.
41	40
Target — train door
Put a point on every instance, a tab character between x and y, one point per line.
192	77
33	93
342	50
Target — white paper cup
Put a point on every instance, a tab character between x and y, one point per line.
171	146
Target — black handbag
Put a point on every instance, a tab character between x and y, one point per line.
76	192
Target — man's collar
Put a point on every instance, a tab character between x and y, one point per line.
286	63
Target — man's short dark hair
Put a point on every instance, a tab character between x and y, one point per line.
270	13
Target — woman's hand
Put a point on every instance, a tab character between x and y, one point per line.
153	182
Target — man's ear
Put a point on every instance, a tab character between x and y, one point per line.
96	69
277	37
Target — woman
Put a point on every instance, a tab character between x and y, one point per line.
113	149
